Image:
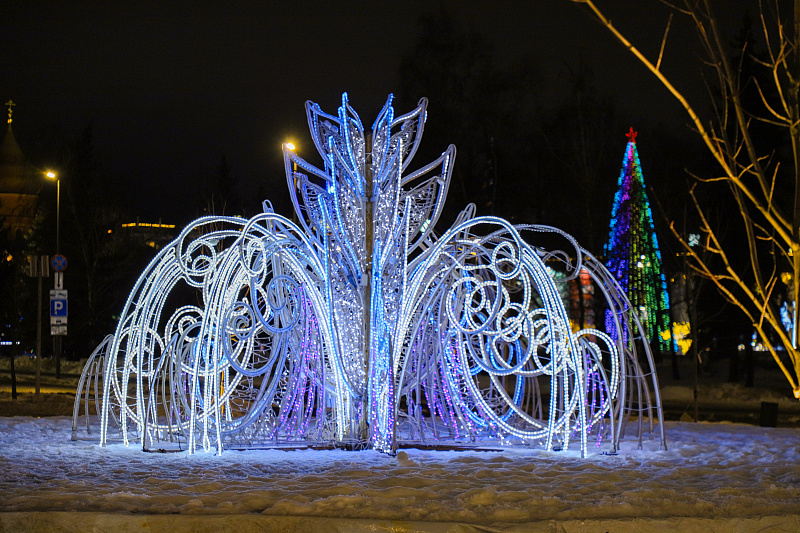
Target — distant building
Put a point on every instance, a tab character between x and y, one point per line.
153	234
20	184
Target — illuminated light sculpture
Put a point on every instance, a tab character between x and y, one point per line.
632	253
358	326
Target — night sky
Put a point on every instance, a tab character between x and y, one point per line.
171	88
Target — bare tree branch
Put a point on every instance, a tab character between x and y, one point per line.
756	181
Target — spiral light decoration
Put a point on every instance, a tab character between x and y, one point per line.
357	326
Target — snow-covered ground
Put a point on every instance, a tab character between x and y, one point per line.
713	476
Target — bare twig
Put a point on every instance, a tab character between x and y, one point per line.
663	43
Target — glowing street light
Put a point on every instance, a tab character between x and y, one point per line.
292	147
53	176
289	145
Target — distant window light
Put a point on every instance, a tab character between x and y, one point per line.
147	225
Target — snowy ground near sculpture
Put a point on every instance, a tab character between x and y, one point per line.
713	477
732	473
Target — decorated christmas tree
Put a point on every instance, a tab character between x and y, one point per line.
632	254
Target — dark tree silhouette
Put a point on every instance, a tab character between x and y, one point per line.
483	109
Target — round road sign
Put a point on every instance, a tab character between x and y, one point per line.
59	263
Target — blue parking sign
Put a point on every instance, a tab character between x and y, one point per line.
58	308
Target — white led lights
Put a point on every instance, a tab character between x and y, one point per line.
357	325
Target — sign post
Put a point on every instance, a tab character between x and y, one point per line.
38	267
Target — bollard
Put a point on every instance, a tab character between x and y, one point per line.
769	415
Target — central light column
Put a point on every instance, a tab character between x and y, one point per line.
368	237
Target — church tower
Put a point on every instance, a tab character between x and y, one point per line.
20	184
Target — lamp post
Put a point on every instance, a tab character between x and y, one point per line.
289	145
57	338
53	176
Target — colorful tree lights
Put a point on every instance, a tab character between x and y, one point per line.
632	254
358	326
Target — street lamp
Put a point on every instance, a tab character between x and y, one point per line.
53	176
58	280
289	145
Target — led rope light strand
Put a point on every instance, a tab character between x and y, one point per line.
469	327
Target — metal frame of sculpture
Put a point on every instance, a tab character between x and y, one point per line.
357	326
